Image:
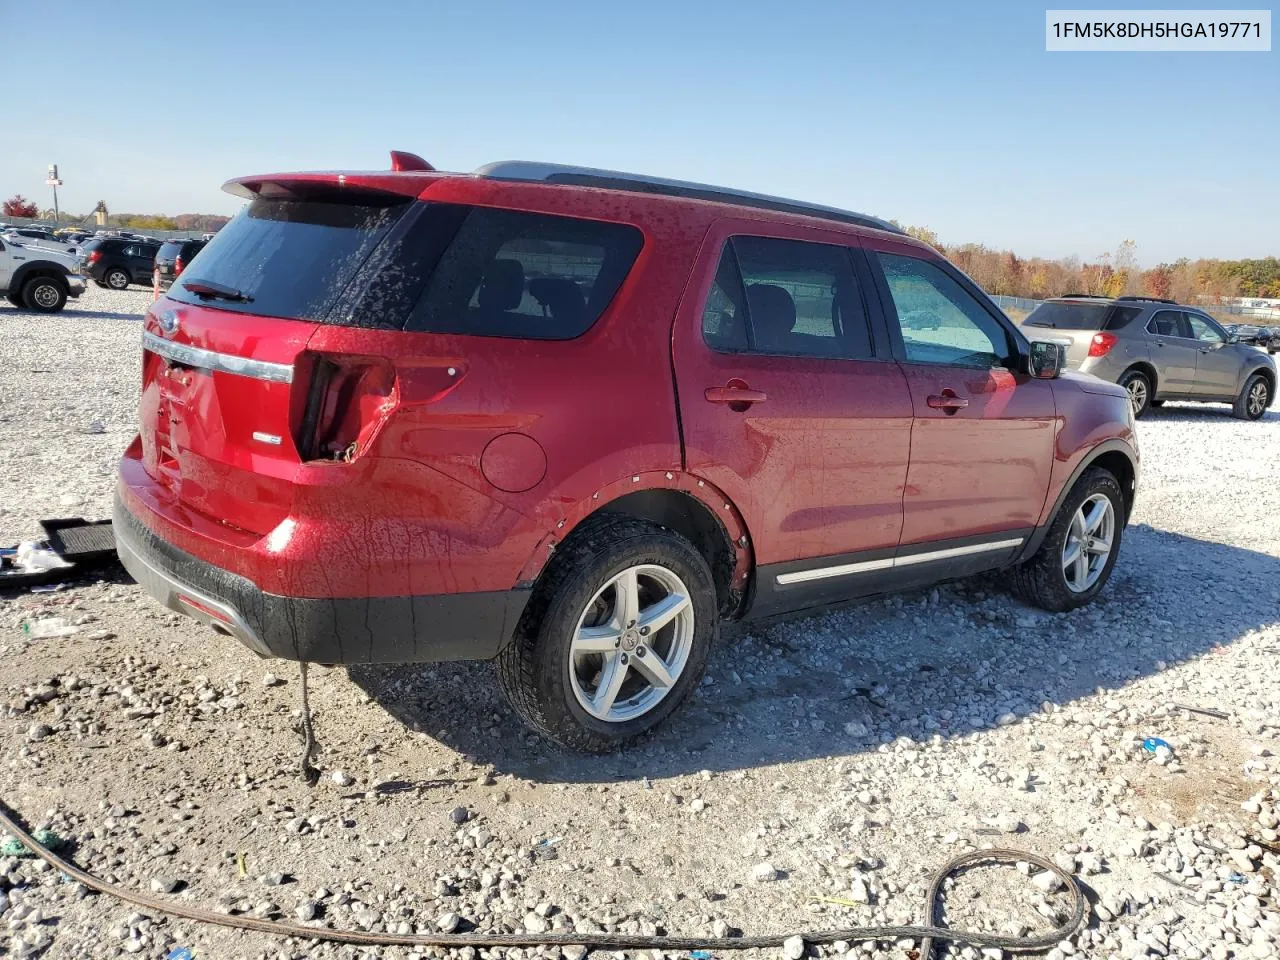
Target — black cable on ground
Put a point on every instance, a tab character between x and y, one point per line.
927	933
309	773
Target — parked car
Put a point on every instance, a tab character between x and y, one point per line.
1159	350
39	239
172	258
1268	338
116	262
574	420
37	279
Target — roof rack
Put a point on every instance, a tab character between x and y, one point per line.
525	170
1152	299
1077	296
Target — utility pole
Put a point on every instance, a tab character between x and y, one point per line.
53	181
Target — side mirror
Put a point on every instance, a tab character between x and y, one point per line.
1047	359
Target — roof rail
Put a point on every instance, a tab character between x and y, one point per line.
526	170
1065	296
1152	299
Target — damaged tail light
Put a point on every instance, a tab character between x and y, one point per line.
347	398
1101	344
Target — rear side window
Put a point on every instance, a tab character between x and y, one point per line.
289	258
509	273
786	298
1166	323
1121	317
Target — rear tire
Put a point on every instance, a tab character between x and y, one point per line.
117	278
1051	580
1138	384
44	294
1254	398
596	700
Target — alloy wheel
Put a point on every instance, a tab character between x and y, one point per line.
631	643
1088	545
1257	401
1137	388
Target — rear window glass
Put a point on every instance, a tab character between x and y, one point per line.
290	258
509	273
1069	316
169	249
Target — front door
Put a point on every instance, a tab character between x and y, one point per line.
1218	362
1173	352
789	404
982	443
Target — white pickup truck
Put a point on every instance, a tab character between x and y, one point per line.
38	279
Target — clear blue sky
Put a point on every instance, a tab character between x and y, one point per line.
941	114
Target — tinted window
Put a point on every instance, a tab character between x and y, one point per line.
1069	316
941	321
169	250
508	273
1121	317
1166	323
1202	329
292	258
786	298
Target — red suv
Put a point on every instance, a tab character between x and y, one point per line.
574	420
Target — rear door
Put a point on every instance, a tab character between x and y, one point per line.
1218	362
1173	352
982	443
791	405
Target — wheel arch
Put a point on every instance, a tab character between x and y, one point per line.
1115	456
691	507
39	268
1268	374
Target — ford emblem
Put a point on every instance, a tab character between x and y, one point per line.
168	323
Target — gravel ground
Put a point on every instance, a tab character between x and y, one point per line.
844	756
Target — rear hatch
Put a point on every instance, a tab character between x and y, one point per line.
1083	325
166	261
226	376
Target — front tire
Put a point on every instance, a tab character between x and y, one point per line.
1139	387
1254	398
44	294
616	636
1079	552
117	278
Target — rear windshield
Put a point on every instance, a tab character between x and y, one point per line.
169	249
289	258
429	267
1080	316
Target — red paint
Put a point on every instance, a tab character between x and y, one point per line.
476	456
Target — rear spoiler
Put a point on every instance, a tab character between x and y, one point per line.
332	186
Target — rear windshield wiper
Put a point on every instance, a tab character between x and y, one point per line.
216	291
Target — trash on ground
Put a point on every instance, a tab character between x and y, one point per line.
179	953
48	627
1152	744
13	847
1218	714
70	546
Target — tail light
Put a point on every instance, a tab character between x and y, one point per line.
93	257
346	402
177	265
1101	344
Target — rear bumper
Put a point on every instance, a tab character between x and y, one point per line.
419	629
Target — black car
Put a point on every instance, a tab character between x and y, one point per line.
172	258
116	262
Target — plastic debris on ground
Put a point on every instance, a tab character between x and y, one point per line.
48	627
180	953
13	847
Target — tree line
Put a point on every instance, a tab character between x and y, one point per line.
1111	274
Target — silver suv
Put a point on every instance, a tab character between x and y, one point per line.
1159	350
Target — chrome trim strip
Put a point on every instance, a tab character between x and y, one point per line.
867	566
270	438
957	552
822	573
223	362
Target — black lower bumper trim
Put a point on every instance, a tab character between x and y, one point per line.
416	629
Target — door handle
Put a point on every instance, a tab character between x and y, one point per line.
736	394
947	400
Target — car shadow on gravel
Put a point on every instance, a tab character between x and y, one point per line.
1199	413
77	314
949	661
